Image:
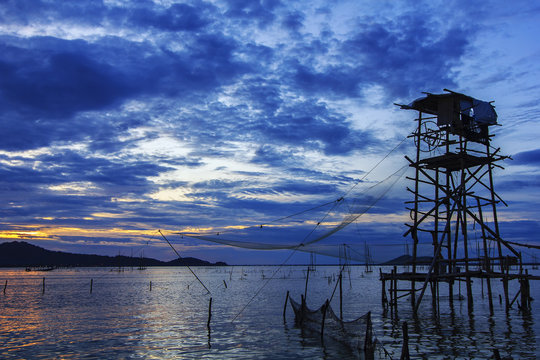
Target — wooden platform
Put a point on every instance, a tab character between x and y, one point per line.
409	276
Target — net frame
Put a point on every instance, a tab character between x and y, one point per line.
356	334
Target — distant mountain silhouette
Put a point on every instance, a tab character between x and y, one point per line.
20	253
407	260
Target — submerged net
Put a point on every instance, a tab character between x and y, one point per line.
309	230
356	334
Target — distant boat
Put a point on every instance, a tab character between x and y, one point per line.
40	268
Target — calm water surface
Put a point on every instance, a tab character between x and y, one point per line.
124	319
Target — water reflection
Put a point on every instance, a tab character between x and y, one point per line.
122	318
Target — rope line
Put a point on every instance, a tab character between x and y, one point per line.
266	282
179	257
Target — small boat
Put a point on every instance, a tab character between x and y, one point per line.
40	268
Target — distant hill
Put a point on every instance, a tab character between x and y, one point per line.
407	260
20	253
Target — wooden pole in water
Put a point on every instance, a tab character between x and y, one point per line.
150	285
395	287
405	348
523	288
326	304
224	283
340	298
487	266
91	285
285	305
43	288
5	286
368	341
307	279
505	283
433	295
391	292
384	300
209	314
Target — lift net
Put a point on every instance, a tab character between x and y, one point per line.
356	334
306	230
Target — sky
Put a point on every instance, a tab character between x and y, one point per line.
122	118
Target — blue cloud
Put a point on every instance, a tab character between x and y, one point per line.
39	12
260	11
314	126
294	21
178	17
45	82
109	81
61	84
401	55
531	157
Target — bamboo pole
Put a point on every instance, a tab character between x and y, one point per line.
505	284
43	287
448	229
340	298
307	280
464	231
91	285
384	300
368	340
209	314
487	266
416	199
405	347
326	304
285	305
5	286
395	287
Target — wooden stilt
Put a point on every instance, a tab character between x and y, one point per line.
524	289
453	184
307	280
285	305
395	287
326	304
433	295
369	349
384	299
405	347
209	314
505	284
340	297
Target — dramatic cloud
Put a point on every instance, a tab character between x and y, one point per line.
531	157
121	118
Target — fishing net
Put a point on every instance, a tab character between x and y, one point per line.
309	230
356	334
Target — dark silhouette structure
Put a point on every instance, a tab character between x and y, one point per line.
454	206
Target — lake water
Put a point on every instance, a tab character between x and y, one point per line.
124	319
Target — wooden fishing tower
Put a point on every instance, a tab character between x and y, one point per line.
454	206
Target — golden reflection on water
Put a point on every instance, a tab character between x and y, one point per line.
123	318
